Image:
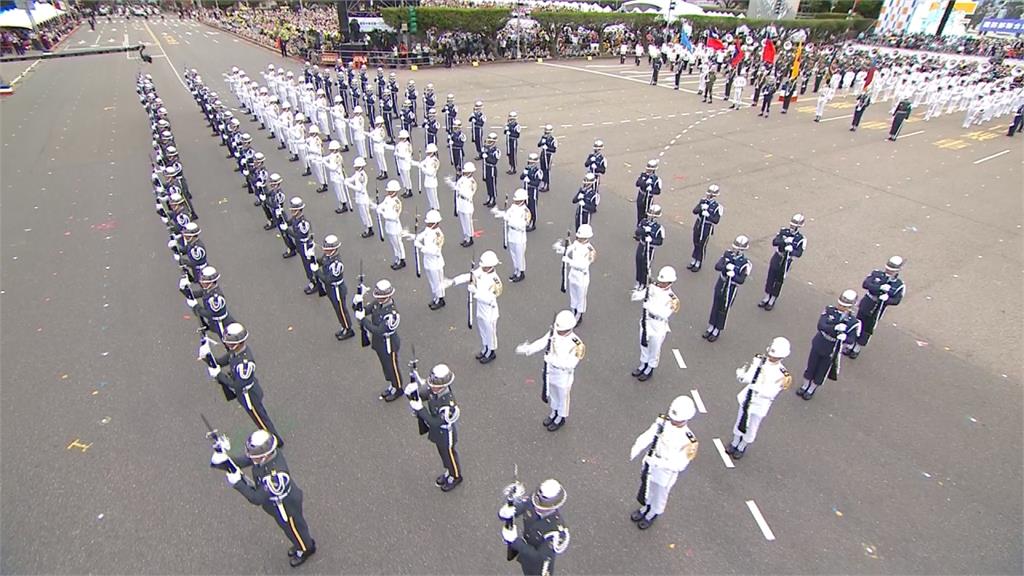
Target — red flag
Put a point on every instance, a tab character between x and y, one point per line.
737	58
715	44
768	54
870	77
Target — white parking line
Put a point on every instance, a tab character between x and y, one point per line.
836	118
677	354
698	401
756	512
909	135
987	158
164	52
721	452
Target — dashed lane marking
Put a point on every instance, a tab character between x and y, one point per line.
761	523
721	453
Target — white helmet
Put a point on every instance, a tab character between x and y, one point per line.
549	496
383	289
432	217
585	231
741	243
359	162
469	167
847	298
431	148
565	320
667	274
779	348
357	110
682	409
378	120
895	264
519	195
334	145
393	186
314	129
403	134
489	259
441	376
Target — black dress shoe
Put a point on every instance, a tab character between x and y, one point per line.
712	337
441	480
256	203
407	194
309	290
547	421
344	334
637	515
531	228
436	304
762	303
288	254
556	424
367	233
268	226
646	375
769	307
307	172
300	557
705	335
695	268
390	395
480	355
730	449
645	523
489	357
449	486
339	211
637	372
737	453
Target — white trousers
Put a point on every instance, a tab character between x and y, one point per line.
382	161
316	164
436	280
360	147
466	220
340	192
396	246
651	354
558	399
517	251
657	493
737	96
819	110
578	285
364	215
753	423
431	192
487	326
403	175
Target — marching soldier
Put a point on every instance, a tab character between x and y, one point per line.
670	447
193	257
429	100
512	132
545	535
456	146
450	111
563	351
596	163
358	125
437	414
357	183
763	378
1017	124
271	488
836	325
577	258
532	178
315	157
586	200
465	189
477	121
301	233
709	213
387	111
648	186
659	304
276	201
430	127
377	148
239	380
210	305
516	221
257	179
334	164
789	243
485	287
411	96
863	101
490	154
902	112
649	233
733	268
882	289
548	145
430	243
390	212
429	167
403	161
331	275
380	319
408	116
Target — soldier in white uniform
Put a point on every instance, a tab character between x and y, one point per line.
578	257
659	304
390	212
377	138
736	97
517	220
485	287
823	99
358	125
297	140
403	161
763	378
670	447
357	184
334	166
430	244
284	123
465	189
323	112
563	351
429	166
315	157
339	123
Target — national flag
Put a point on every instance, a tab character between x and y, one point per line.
715	44
684	39
870	76
737	58
768	53
796	61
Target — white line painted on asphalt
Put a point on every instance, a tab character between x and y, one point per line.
585	124
987	158
698	401
215	41
677	354
909	135
721	452
27	70
164	52
620	77
756	513
836	118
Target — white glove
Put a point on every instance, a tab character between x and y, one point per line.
730	266
416	405
788	240
509	535
730	273
170	244
234	477
841	337
636	295
841	327
886	287
282	226
704	207
705	213
213	371
410	388
789	248
357	299
883	297
313	266
191	302
182	282
506	512
360	314
521	349
218	458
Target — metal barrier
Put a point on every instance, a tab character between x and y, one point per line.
73	53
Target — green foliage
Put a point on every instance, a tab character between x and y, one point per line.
594	20
816	28
485	21
865	8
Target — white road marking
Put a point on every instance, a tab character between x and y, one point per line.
677	354
987	158
620	77
27	70
164	52
756	513
909	135
585	124
698	401
836	118
721	452
607	123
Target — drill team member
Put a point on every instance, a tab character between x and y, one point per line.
596	163
334	164
545	535
533	179
490	154
516	221
465	189
390	212
733	268
239	380
789	243
403	161
836	325
882	289
301	233
485	287
548	146
437	414
578	257
477	121
456	146
659	304
670	447
648	186
649	234
357	183
512	132
430	244
563	351
709	214
331	276
380	319
586	200
763	379
429	166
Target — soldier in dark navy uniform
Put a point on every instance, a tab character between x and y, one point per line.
477	121
301	233
437	414
429	100
451	112
430	127
836	325
596	163
548	145
380	319
256	179
272	488
411	96
408	116
193	257
648	185
239	380
863	101
512	132
211	307
709	214
457	146
491	154
331	277
586	200
733	268
649	234
789	243
387	107
545	535
882	289
532	178
902	112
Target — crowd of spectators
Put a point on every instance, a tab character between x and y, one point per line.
989	47
19	41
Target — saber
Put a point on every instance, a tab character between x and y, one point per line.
380	224
221	443
419	172
565	267
469	294
415	247
504	231
514	492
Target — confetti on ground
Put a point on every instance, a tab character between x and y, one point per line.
63	376
837	512
921	343
870	551
926	475
106	420
100	517
290	328
972	419
531	381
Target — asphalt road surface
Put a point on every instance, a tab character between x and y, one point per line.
910	463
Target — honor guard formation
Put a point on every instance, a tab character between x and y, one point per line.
455	245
